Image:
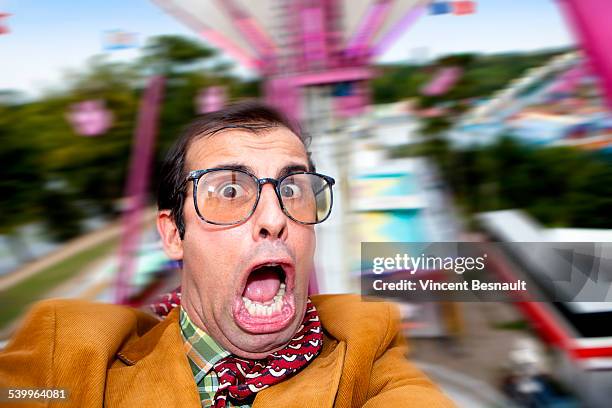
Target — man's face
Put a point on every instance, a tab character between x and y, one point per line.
246	284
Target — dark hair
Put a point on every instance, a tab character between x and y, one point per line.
251	116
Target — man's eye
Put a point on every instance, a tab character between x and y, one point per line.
291	191
231	191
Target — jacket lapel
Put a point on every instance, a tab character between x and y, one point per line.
314	386
155	372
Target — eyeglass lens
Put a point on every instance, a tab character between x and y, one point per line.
228	196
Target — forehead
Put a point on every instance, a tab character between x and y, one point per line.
264	149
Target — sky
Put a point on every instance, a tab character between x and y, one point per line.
49	38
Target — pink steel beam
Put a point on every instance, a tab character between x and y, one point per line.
397	30
332	76
293	60
284	94
248	27
590	20
368	27
136	188
313	37
213	36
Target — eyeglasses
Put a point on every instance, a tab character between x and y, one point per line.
224	196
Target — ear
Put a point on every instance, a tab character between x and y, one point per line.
173	245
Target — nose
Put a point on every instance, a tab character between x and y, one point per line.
269	220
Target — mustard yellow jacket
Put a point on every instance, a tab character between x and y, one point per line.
114	356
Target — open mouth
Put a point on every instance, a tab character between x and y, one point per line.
266	303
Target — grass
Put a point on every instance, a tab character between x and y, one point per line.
14	300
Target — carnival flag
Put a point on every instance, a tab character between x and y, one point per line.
440	7
463	7
3	28
90	118
210	99
119	40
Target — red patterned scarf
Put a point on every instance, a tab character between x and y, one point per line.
240	378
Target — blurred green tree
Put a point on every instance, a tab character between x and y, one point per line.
54	176
170	54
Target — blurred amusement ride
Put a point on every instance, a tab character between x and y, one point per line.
315	58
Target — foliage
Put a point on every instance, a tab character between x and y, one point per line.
52	175
559	186
20	181
168	54
482	75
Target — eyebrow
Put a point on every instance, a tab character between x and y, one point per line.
235	166
288	169
292	168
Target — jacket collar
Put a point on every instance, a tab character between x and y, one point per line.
144	345
157	372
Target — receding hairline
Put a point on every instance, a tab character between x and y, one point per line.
252	128
241	127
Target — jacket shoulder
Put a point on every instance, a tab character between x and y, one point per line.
358	319
77	324
69	343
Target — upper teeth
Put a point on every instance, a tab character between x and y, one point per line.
272	306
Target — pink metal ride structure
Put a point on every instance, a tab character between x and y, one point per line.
308	50
296	44
313	43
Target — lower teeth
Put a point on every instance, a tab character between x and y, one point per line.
260	309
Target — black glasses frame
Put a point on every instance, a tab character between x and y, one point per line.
195	176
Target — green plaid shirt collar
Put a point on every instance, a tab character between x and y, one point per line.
203	353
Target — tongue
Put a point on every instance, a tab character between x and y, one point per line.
262	285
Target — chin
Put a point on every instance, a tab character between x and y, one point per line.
266	336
